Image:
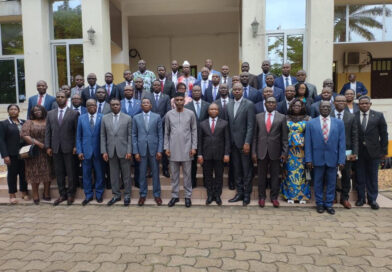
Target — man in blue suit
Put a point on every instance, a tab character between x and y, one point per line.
204	83
325	150
147	141
42	98
208	65
286	79
358	87
278	92
249	93
89	151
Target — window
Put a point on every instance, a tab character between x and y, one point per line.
363	23
66	43
12	85
285	29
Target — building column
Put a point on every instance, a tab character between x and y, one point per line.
97	56
36	36
320	16
253	48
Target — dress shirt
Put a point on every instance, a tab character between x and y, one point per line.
175	78
328	123
102	105
118	116
272	116
94	117
43	99
226	100
127	103
246	91
215	119
111	88
64	111
353	86
216	90
146	114
284	81
223	79
237	105
361	117
265	109
155	96
204	85
288	103
78	109
194	103
163	81
341	114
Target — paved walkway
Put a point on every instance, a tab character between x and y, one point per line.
96	238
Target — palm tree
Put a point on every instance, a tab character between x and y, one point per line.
361	21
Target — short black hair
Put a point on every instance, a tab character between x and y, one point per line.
364	97
180	84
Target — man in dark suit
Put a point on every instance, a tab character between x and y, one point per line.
327	83
249	92
252	78
269	149
204	83
260	106
283	106
175	74
42	98
373	146
76	104
147	143
200	109
351	132
61	125
167	86
326	95
241	118
128	80
325	151
226	79
79	80
161	105
358	87
212	94
103	106
89	152
139	91
116	148
111	89
213	151
278	92
265	66
285	79
90	90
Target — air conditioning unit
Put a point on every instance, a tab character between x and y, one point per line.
356	58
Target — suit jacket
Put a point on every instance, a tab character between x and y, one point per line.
163	105
76	90
315	109
208	96
355	108
351	131
169	75
120	140
222	111
260	82
282	107
87	139
34	101
150	139
312	90
203	110
144	94
106	108
86	94
207	90
259	107
136	107
254	95
279	82
10	141
213	146
275	142
229	82
253	81
278	93
114	92
168	88
61	136
121	87
321	153
360	88
241	125
375	137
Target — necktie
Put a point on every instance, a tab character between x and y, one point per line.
115	122
214	94
339	116
91	91
204	86
161	85
325	129
108	90
91	122
40	99
130	107
246	92
61	117
213	125
224	80
146	121
100	108
156	99
364	121
263	80
287	82
268	125
224	103
198	109
236	106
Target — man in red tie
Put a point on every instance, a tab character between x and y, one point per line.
213	150
112	90
167	86
269	149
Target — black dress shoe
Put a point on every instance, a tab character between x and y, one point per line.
246	201
99	199
86	201
330	210
113	200
218	200
231	186
166	173
188	202
374	205
209	200
127	201
320	209
359	202
236	198
59	200
173	202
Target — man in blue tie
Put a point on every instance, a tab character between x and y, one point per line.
90	90
250	93
265	66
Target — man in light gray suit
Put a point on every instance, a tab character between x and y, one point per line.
103	107
116	147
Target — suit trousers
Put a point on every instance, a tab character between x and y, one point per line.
367	176
87	166
175	178
64	166
243	168
327	175
346	181
17	167
194	170
262	170
118	165
165	162
213	185
154	166
78	170
136	173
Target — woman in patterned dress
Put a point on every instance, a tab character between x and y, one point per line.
294	186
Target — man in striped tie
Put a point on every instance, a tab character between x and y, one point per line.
325	151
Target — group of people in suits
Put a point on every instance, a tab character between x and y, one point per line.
278	123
